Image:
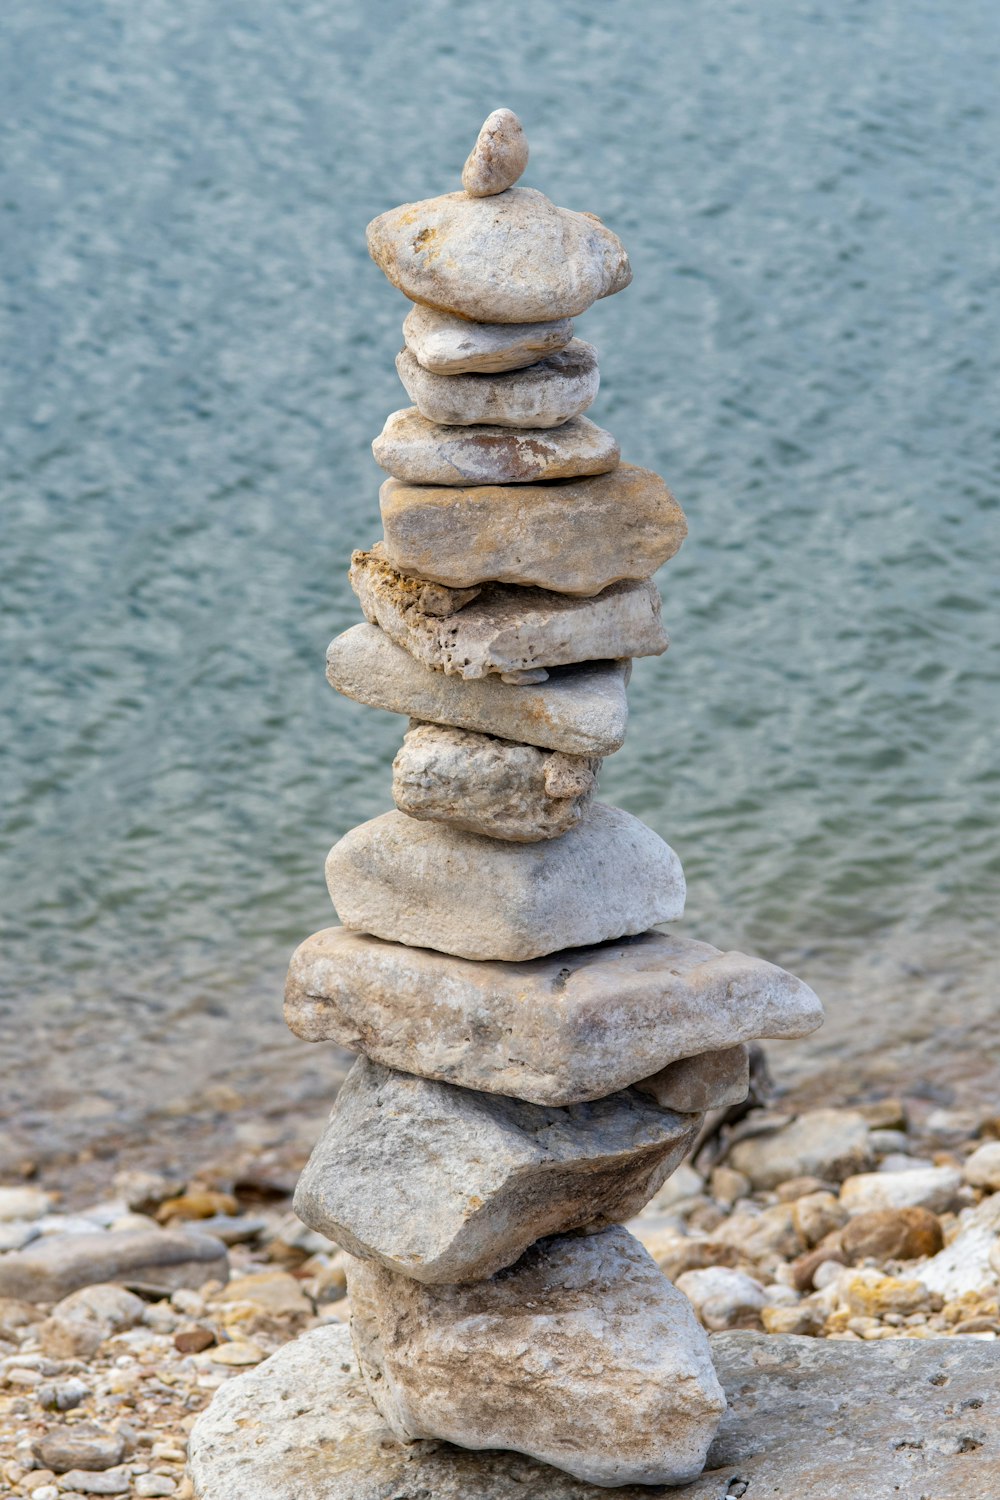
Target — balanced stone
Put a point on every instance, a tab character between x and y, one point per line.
499	156
582	1355
454	346
512	258
422	452
582	710
573	1026
510	631
574	537
710	1080
432	886
446	1185
491	786
559	387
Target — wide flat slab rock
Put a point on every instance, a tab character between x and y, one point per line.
454	346
807	1419
558	388
444	1184
154	1260
576	536
511	258
418	451
576	1025
432	886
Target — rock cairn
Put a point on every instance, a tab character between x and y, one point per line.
535	1055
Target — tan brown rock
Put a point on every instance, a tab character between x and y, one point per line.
417	451
546	394
892	1234
499	156
454	346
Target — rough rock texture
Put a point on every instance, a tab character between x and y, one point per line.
935	1188
507	631
433	886
582	1355
825	1143
576	537
422	452
148	1259
443	1184
499	156
559	387
512	258
557	1030
970	1261
582	710
490	786
454	346
710	1080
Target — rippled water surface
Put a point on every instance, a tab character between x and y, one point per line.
196	353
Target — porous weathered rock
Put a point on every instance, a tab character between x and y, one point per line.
546	394
158	1260
432	886
428	453
512	258
499	156
453	346
576	1025
581	710
443	1184
510	632
490	786
574	537
582	1355
710	1080
826	1143
935	1188
971	1261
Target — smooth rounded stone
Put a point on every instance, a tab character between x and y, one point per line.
936	1188
444	1184
825	1143
489	786
582	1355
581	710
80	1445
417	451
546	394
710	1080
23	1203
155	1260
982	1168
80	1323
892	1234
499	156
512	258
509	632
723	1297
432	886
448	345
575	536
573	1026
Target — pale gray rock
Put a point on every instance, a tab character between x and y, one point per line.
443	1184
969	1262
80	1445
574	1026
453	346
982	1168
432	886
84	1482
427	453
23	1203
936	1188
155	1260
830	1144
710	1080
723	1297
489	786
508	631
581	1355
546	394
512	258
575	537
581	710
80	1323
499	156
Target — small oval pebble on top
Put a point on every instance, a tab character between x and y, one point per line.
499	156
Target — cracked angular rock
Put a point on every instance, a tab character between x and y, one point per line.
512	258
510	631
711	1080
572	1026
420	452
574	537
582	1355
446	1185
490	786
545	394
499	156
453	346
157	1260
432	886
581	710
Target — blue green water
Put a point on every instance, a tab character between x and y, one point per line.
196	354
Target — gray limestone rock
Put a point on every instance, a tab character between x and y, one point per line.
509	631
575	1025
545	394
157	1260
443	1184
454	346
709	1080
420	452
511	258
582	1355
499	156
490	786
436	887
581	710
826	1143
